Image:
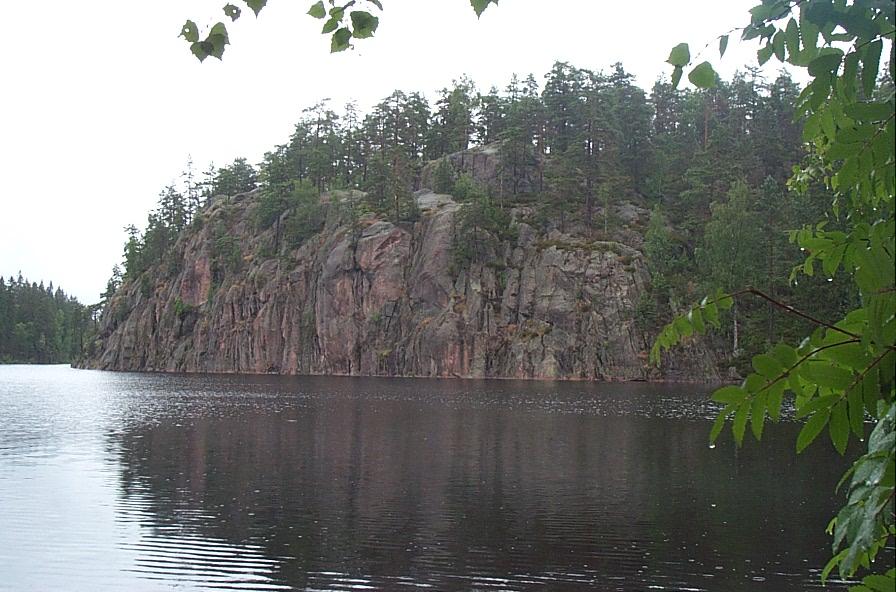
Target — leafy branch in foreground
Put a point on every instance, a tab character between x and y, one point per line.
843	373
355	19
839	376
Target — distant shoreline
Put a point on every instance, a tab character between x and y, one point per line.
420	377
22	363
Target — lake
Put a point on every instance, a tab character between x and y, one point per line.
112	481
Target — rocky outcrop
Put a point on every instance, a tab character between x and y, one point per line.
368	297
484	164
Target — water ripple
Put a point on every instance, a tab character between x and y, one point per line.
161	482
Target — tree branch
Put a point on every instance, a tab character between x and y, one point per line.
794	311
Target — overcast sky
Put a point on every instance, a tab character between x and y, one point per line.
101	103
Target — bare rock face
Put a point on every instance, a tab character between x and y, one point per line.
374	298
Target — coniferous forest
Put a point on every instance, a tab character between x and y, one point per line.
41	324
712	166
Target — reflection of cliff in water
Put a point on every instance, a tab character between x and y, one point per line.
349	489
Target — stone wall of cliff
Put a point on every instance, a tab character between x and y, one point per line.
370	297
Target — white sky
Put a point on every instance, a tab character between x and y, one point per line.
101	103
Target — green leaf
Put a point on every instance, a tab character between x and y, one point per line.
232	11
815	405
839	151
757	414
775	400
754	383
870	66
882	436
879	583
340	40
190	32
680	55
839	427
723	45
724	301
796	385
683	326
219	29
740	422
676	76
832	261
792	38
719	423
767	366
218	40
848	77
808	31
850	355
364	24
779	45
808	266
711	312
834	562
826	62
479	6
785	355
871	391
318	10
760	13
823	373
811	430
856	411
819	12
764	54
696	319
869	111
201	49
703	76
729	395
330	26
829	127
750	32
854	135
256	5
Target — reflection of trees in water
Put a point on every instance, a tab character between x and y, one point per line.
386	488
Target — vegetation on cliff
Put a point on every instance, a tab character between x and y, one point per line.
711	164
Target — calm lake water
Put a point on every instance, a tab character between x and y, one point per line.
169	482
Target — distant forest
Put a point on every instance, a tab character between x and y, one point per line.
712	165
41	324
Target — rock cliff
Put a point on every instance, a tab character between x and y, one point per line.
369	297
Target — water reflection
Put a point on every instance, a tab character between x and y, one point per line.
141	482
343	484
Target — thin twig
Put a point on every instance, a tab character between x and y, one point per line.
796	312
864	373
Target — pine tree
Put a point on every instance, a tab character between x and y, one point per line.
39	324
563	101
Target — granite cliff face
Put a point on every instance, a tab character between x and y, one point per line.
374	298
